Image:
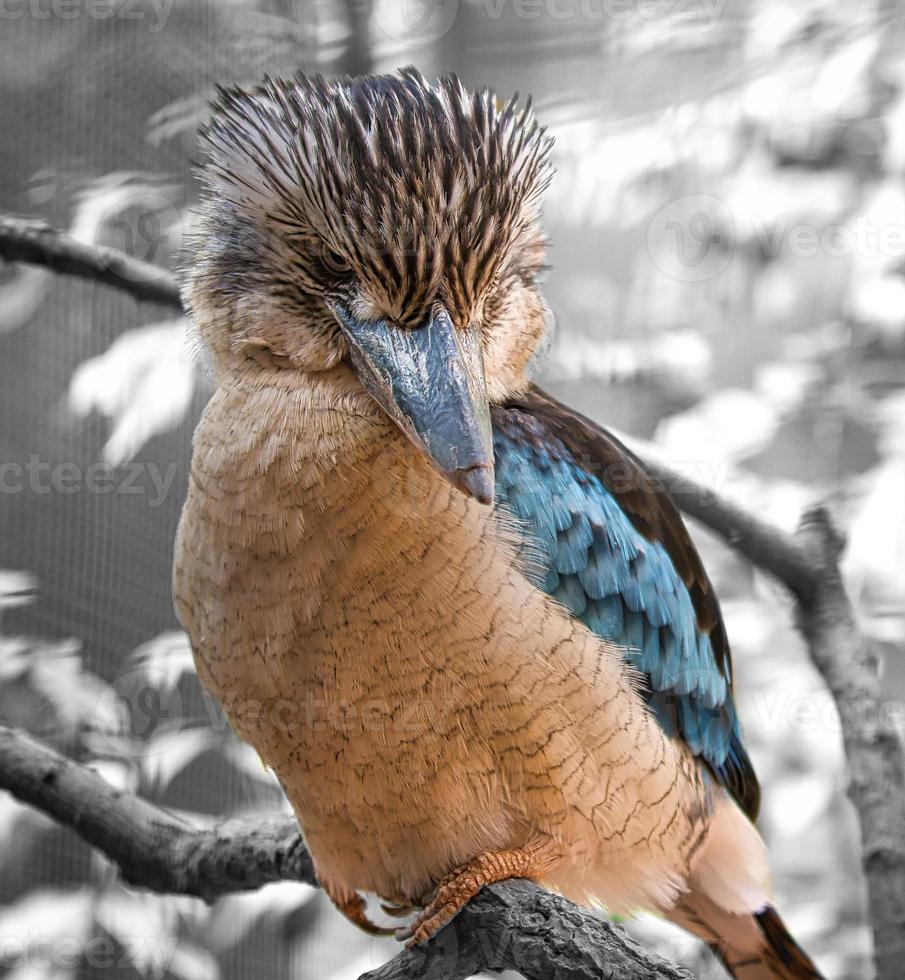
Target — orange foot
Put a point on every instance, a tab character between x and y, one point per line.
352	907
461	885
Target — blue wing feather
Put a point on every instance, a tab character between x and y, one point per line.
613	561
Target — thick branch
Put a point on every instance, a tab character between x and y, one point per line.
515	925
28	240
518	926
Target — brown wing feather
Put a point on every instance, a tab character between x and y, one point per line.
655	516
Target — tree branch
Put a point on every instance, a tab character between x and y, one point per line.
805	562
518	926
870	734
763	544
154	849
358	58
35	242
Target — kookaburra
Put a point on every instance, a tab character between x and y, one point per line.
458	620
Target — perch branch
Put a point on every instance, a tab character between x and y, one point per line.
805	562
33	241
515	925
518	926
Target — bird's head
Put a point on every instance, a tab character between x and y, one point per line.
384	229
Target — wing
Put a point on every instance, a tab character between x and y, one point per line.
609	546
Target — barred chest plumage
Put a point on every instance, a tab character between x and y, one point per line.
393	631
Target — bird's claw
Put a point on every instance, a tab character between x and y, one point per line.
353	908
457	888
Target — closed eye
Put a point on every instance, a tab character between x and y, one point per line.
335	263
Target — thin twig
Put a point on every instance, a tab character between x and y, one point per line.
763	544
35	242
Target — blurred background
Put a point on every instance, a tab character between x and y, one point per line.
728	275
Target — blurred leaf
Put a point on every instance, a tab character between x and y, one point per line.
879	302
619	177
234	916
144	925
134	212
171	751
677	354
118	773
181	116
22	290
796	801
16	589
43	969
767	206
820	342
15	820
166	659
785	384
805	99
46	690
247	761
894	127
143	383
193	962
60	676
44	915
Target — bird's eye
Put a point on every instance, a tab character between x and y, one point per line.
335	263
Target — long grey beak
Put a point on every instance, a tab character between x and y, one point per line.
430	381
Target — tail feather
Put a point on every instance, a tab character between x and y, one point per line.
751	947
728	905
783	948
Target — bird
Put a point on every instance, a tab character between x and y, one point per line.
461	623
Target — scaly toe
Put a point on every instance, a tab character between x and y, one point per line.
448	901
